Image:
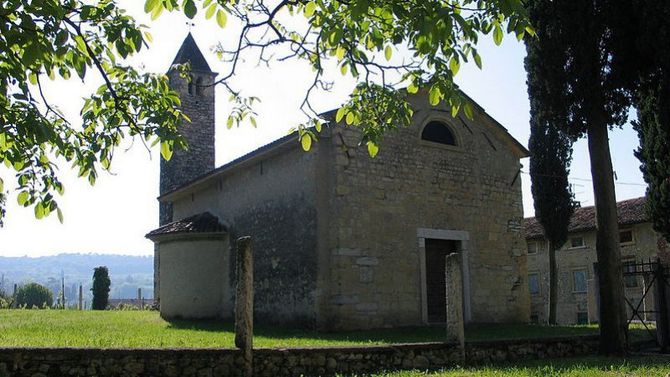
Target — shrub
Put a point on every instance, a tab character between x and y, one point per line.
5	300
34	295
100	288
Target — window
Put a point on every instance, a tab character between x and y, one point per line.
533	247
198	86
629	279
534	283
438	132
579	281
582	318
191	85
577	242
626	236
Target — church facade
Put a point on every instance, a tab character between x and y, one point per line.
342	240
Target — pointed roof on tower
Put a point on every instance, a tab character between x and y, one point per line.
189	52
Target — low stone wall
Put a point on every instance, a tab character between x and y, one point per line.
45	362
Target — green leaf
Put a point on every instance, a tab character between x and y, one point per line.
39	210
229	122
309	9
317	125
221	18
2	185
467	109
412	89
190	9
478	60
210	11
340	114
349	118
434	95
156	12
59	213
454	65
344	68
148	37
150	5
22	198
32	78
166	150
373	149
253	121
497	35
306	142
388	52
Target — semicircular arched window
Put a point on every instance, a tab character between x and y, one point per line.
438	132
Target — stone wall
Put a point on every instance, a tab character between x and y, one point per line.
571	302
270	198
384	208
41	362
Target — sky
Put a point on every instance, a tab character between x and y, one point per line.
114	215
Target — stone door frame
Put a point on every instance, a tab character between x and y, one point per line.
444	234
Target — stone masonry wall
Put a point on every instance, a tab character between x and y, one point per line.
272	200
570	302
379	204
41	362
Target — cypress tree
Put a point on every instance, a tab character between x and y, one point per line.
550	147
652	102
596	99
100	288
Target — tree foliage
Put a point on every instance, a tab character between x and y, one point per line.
34	295
592	90
46	40
100	288
550	147
653	109
362	38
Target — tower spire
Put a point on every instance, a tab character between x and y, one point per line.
189	52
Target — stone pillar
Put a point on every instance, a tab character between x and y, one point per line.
14	303
244	303
454	292
663	306
592	301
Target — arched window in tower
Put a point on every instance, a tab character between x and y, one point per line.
198	86
438	132
191	85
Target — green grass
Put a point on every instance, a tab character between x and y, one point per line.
145	329
584	367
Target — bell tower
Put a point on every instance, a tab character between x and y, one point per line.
197	101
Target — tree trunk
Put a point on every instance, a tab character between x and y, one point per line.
553	284
613	331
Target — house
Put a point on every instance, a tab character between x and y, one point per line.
576	259
342	240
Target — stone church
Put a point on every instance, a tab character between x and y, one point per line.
342	240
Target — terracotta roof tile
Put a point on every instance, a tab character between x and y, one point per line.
631	211
201	223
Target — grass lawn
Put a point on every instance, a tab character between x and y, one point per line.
586	367
145	329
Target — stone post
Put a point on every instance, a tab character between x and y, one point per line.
592	300
454	299
663	318
244	303
81	298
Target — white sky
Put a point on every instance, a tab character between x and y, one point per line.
114	215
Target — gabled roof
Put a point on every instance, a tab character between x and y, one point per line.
629	212
202	223
292	139
189	52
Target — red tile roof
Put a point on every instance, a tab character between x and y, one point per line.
201	223
631	211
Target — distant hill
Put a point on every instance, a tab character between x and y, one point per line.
126	272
